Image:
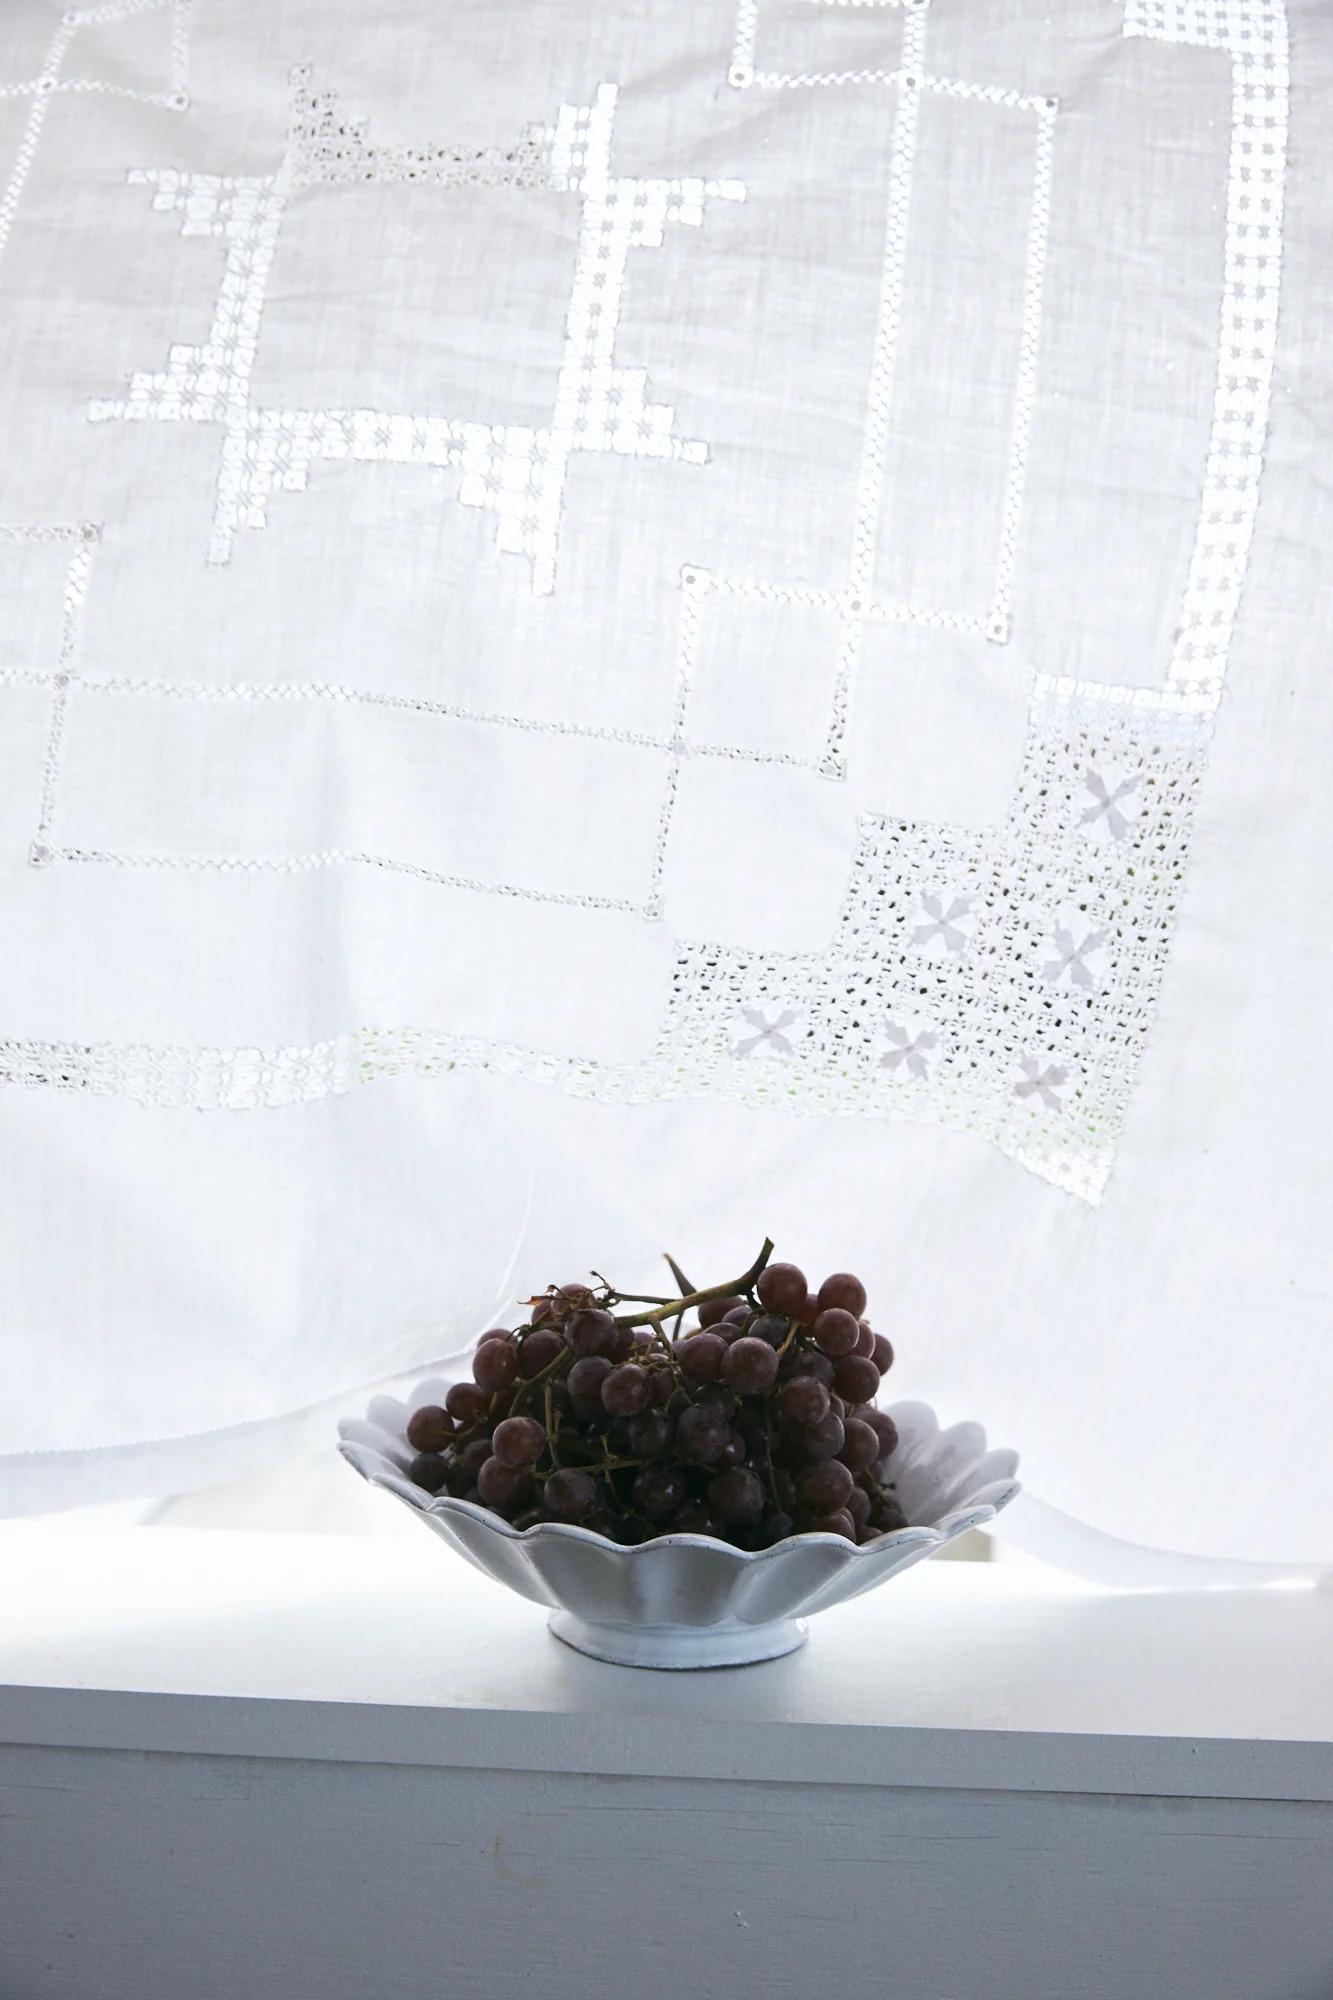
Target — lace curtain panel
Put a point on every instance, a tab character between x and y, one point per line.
630	625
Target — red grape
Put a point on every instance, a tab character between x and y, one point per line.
770	1328
843	1290
495	1365
855	1378
885	1429
751	1366
821	1440
693	1519
834	1524
585	1381
589	1331
496	1333
782	1288
812	1362
429	1428
735	1451
857	1504
809	1312
467	1402
626	1390
658	1492
701	1434
502	1485
865	1341
717	1396
837	1332
860	1445
738	1314
883	1355
472	1457
428	1471
712	1310
701	1356
518	1441
570	1494
538	1350
736	1496
803	1400
824	1488
649	1434
776	1528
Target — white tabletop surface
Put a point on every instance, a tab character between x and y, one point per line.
957	1674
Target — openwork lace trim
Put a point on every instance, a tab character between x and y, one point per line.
996	982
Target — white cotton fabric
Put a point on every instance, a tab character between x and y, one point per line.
629	626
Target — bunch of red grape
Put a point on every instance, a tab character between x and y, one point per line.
756	1423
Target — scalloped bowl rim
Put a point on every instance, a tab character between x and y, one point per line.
957	1522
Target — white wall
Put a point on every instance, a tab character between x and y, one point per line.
127	1876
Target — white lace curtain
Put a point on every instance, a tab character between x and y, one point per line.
630	626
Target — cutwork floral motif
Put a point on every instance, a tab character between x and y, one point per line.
1078	960
948	925
768	1037
1114	806
1042	1080
914	1050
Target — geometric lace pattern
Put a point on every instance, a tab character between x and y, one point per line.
1000	981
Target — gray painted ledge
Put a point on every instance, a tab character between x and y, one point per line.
339	1649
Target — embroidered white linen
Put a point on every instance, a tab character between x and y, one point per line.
626	624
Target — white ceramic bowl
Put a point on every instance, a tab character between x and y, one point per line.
686	1600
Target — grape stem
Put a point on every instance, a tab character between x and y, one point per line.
735	1286
768	1452
631	1298
677	1274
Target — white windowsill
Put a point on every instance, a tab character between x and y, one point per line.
975	1676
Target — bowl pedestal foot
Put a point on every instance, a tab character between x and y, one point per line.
728	1644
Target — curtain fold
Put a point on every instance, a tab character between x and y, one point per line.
625	628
